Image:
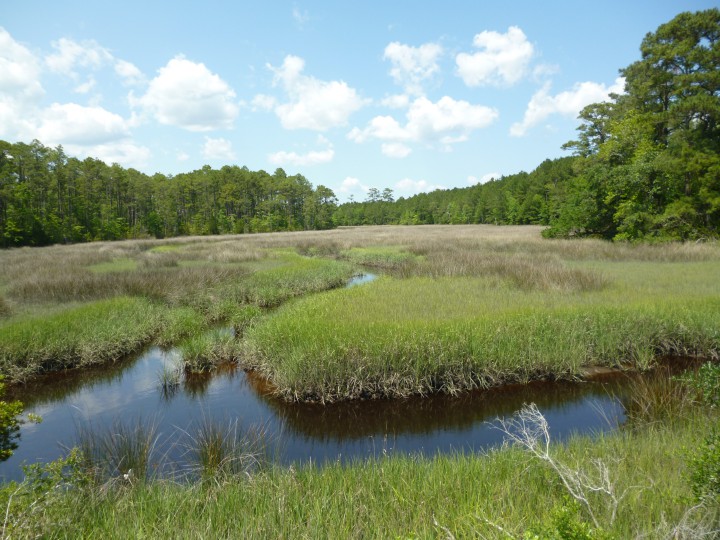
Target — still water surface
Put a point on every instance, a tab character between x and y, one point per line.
130	391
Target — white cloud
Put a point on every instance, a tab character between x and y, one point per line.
182	156
352	187
412	66
313	104
20	88
263	102
502	60
446	121
71	54
300	17
568	103
407	186
188	95
314	157
129	73
396	150
218	149
125	152
398	101
70	123
19	70
84	88
472	180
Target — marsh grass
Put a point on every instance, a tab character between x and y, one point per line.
89	334
198	281
657	397
122	452
169	379
404	496
203	352
396	337
220	451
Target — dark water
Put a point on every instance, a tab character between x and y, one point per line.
129	391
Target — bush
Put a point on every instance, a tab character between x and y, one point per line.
705	470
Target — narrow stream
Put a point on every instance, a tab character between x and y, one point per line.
130	390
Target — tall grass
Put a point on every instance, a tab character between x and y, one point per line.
92	333
418	335
203	352
469	495
221	451
122	452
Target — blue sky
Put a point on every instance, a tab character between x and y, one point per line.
412	96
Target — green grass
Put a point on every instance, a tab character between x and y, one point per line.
89	334
417	335
399	496
116	265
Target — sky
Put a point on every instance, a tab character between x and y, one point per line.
408	95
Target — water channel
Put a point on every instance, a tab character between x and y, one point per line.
130	391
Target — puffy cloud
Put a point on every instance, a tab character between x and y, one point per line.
352	187
502	60
218	149
263	102
125	152
446	121
413	65
472	180
84	88
188	95
568	103
407	186
314	157
396	150
71	54
398	101
129	72
313	104
20	88
19	70
70	123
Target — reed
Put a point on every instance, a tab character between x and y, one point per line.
401	496
88	334
221	451
123	452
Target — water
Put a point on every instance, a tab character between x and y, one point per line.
130	390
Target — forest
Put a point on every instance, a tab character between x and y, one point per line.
644	166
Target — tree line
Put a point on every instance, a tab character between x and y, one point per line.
47	197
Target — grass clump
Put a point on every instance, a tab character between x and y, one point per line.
122	452
387	257
222	451
203	352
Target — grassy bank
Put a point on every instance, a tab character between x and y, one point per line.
70	306
450	496
396	337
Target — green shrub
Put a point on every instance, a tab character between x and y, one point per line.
705	470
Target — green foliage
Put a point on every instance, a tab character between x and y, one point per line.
47	197
705	470
706	382
9	424
658	144
565	523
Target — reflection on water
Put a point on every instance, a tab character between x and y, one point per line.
130	390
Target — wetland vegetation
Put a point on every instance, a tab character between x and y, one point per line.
456	307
